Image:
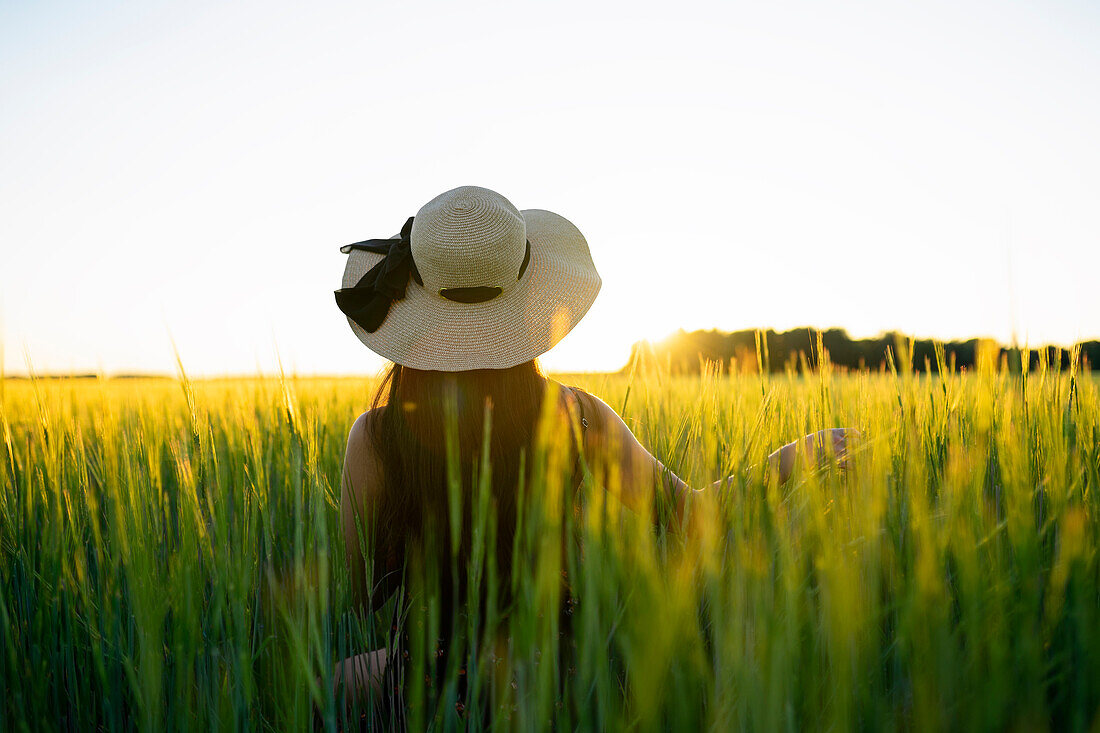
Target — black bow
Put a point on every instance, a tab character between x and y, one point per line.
369	300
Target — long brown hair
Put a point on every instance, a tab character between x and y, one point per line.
409	437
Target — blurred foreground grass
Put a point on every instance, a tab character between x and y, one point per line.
171	558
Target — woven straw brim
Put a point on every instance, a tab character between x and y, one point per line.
426	331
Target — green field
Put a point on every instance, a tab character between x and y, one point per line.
171	558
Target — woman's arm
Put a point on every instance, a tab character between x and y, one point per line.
617	444
819	447
359	483
629	470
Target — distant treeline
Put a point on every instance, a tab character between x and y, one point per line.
800	348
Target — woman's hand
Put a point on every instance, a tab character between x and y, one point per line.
820	447
835	443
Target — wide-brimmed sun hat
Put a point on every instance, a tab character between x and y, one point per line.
471	282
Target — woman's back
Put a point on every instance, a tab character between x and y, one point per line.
397	484
441	579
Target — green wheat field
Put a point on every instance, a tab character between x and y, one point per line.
171	558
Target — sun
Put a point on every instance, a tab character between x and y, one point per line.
602	341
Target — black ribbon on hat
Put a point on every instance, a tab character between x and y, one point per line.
369	300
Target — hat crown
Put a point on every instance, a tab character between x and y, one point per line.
468	237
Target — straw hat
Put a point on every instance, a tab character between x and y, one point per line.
470	283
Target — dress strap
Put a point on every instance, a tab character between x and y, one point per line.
580	407
578	467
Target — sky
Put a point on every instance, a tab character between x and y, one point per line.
180	176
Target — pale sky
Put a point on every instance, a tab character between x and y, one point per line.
188	171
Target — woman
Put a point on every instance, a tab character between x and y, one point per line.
462	302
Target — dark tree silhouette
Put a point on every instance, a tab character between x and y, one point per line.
804	348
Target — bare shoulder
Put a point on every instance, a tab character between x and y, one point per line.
360	429
603	421
595	410
611	443
361	475
359	436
